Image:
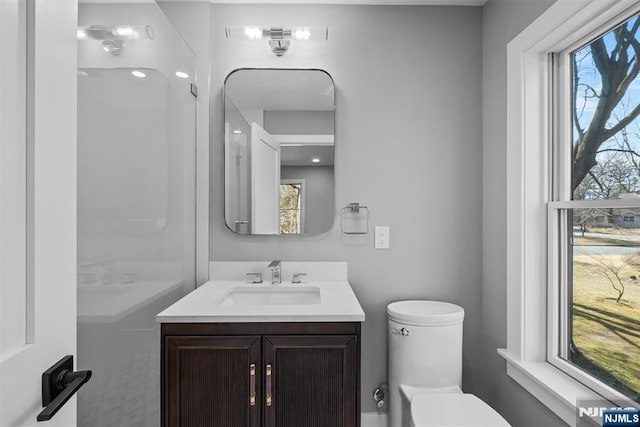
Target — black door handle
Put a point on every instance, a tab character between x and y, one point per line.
59	383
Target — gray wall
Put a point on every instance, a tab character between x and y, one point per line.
397	98
319	187
502	21
408	145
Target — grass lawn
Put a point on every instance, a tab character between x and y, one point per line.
606	333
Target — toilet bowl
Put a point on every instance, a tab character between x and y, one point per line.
425	369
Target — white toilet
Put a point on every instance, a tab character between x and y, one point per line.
425	369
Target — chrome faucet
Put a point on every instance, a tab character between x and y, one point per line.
297	277
106	270
274	266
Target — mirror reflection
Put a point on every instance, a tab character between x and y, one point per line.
279	151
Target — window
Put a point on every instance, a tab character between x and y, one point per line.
292	206
597	162
539	197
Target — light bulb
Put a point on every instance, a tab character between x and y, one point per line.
253	33
302	33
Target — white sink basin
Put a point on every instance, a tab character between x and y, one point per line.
272	296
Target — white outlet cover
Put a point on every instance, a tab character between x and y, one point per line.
381	237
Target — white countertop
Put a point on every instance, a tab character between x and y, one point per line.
337	303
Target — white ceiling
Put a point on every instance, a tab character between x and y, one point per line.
385	2
301	156
347	2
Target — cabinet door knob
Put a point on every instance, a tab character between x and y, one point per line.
269	397
252	384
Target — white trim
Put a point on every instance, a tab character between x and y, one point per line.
528	190
294	140
374	419
13	181
549	385
587	204
353	2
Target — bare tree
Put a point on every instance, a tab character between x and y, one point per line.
589	218
613	271
611	176
617	68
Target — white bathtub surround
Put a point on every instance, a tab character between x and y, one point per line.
99	303
316	271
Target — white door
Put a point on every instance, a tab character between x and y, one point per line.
37	202
265	182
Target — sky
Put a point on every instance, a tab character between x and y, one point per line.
589	88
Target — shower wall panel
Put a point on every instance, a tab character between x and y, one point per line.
136	207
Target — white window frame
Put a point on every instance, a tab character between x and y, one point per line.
558	277
531	321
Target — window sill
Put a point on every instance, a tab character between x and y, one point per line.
558	391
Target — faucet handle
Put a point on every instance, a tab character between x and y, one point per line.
257	277
296	277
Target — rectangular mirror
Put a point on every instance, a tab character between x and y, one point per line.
279	151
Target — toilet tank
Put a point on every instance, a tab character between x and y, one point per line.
425	348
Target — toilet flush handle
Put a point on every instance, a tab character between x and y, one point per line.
404	332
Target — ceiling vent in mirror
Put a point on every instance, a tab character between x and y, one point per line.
278	38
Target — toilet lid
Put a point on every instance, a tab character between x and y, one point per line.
453	409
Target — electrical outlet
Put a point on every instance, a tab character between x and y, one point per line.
382	237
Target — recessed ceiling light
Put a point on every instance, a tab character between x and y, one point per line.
315	160
182	74
138	74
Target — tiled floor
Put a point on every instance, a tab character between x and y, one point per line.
126	391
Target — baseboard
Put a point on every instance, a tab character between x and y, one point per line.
374	419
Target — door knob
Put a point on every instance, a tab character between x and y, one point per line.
59	383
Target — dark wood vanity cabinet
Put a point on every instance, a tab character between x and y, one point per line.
261	374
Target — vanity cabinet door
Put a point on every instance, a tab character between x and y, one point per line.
311	381
212	381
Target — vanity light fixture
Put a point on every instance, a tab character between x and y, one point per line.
113	38
279	37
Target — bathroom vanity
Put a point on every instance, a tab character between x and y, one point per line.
238	354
